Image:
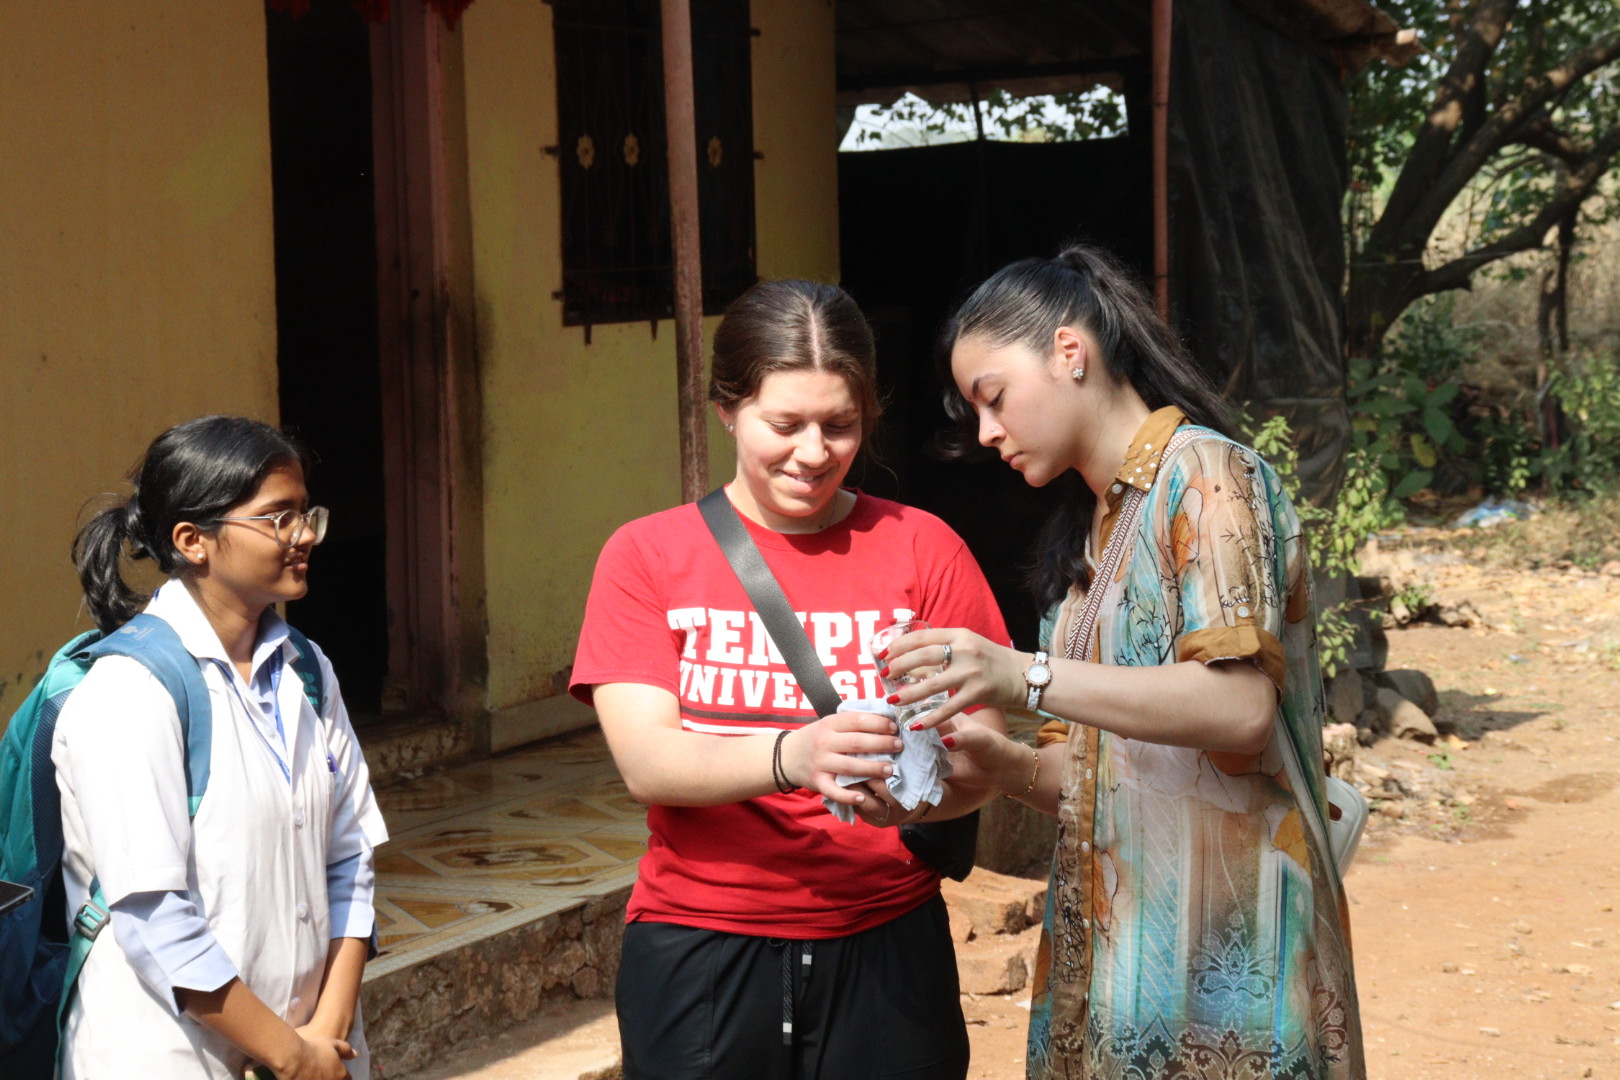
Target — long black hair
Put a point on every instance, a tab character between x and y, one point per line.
1084	287
194	472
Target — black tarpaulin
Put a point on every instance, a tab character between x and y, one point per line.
1257	175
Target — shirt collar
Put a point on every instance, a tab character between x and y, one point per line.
173	603
1141	465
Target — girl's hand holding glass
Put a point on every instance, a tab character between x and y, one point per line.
971	669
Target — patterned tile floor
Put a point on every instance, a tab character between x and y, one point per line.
493	844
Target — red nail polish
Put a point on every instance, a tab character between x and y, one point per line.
884	674
950	743
916	725
883	654
893	699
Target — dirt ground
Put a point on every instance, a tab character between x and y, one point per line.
1483	897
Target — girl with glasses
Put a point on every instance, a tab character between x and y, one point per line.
238	937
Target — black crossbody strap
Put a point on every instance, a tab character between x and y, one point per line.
771	603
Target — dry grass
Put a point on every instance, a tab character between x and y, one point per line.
1562	534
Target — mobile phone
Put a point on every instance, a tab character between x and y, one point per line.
13	895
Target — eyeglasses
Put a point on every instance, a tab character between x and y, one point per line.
290	524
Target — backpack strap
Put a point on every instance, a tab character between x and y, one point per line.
309	671
152	643
770	602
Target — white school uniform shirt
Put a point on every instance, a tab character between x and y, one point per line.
254	859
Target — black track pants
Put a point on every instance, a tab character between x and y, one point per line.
878	1005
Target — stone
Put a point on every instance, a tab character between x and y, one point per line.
1014	839
1405	720
1462	613
961	925
1413	685
999	965
995	903
1346	697
1393	808
1339	744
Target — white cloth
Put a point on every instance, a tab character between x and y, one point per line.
254	861
919	768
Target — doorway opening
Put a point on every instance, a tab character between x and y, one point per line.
327	327
919	227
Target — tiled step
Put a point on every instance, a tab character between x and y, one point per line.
501	891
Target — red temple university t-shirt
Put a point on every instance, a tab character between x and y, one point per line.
666	610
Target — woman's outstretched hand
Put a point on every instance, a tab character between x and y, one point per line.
980	672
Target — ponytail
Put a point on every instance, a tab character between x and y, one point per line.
1085	287
98	553
194	472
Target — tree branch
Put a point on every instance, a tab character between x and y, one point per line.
1433	141
1581	181
1540	91
1539	134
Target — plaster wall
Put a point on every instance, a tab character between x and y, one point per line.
136	268
579	438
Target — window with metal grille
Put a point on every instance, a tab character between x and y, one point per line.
614	164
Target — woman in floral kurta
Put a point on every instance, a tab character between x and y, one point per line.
1195	924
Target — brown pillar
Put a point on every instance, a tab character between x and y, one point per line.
1161	155
680	125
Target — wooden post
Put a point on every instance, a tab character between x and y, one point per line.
680	126
1161	156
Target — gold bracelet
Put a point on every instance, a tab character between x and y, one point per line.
1034	776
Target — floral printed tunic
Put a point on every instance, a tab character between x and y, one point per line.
1195	925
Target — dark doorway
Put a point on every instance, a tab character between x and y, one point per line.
918	228
326	323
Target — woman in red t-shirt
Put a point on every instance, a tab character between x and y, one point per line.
767	938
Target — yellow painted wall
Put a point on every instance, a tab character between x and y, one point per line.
136	267
580	438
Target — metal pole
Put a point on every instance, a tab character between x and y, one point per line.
1161	156
680	127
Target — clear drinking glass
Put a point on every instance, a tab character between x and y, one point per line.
892	684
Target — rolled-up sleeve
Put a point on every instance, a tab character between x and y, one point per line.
357	827
1224	548
351	886
168	943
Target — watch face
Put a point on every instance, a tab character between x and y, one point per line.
1038	675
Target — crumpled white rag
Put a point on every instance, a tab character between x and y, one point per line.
918	767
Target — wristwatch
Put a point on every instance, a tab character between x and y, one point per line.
1038	676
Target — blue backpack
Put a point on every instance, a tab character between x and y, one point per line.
40	953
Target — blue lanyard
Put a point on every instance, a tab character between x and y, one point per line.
254	710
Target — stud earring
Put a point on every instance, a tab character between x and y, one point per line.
1078	373
732	428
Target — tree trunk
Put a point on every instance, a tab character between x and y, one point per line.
1552	327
